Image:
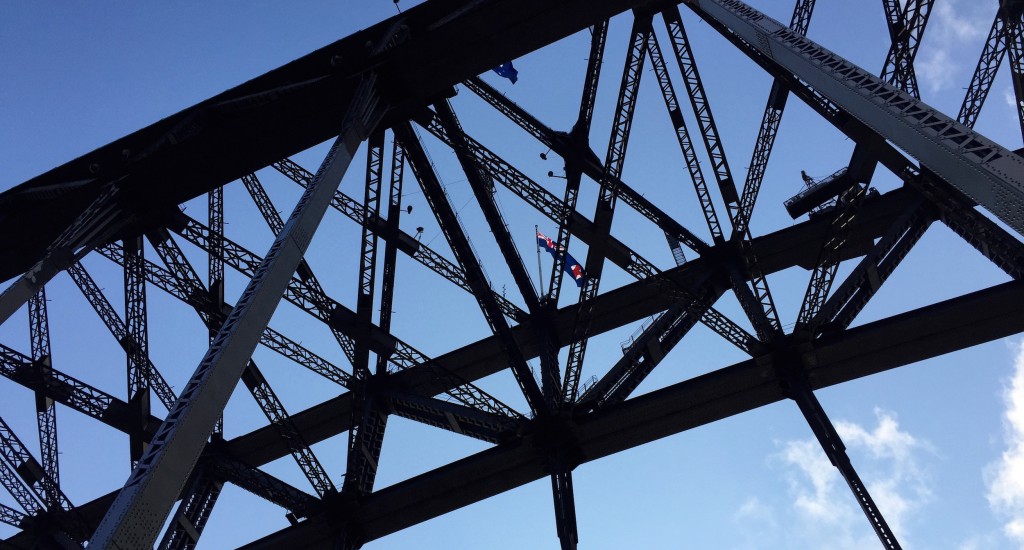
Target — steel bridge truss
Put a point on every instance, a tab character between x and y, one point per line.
389	86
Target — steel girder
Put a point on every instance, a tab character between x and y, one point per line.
180	462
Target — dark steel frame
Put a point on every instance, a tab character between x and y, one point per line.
395	75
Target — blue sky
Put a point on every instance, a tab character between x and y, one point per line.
939	443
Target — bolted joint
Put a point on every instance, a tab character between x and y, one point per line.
787	358
347	514
556	441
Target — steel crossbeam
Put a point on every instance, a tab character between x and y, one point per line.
685	143
118	329
135	517
408	244
769	128
979	168
12	517
588	162
906	27
790	247
253	379
402	71
923	333
459	243
401	355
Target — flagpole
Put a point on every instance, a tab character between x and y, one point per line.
540	270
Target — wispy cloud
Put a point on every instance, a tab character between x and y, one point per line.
904	487
760	528
1005	477
889	460
956	28
980	542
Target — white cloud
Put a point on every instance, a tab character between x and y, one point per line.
957	22
980	542
1009	97
757	525
753	508
936	69
952	43
1005	477
886	457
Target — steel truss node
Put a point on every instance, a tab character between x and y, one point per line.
396	91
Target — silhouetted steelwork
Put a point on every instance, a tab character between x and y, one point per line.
375	86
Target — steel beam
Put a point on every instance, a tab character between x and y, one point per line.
1015	41
685	143
565	509
368	252
405	242
798	245
46	411
312	301
253	379
702	109
91	225
12	517
118	329
453	417
16	488
906	27
137	513
890	343
483	189
193	512
622	123
588	163
981	169
770	121
450	226
138	339
832	444
191	292
985	72
598	38
288	110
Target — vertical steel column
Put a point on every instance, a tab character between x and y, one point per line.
138	342
215	264
117	327
368	252
387	293
906	27
369	421
580	141
565	509
46	411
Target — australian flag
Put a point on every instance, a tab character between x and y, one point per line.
570	266
506	70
